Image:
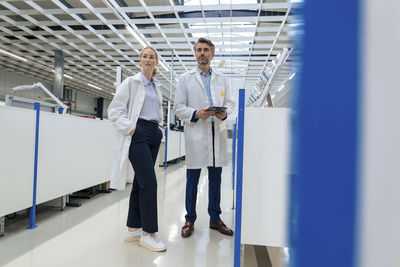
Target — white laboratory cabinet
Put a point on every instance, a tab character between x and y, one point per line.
265	177
73	153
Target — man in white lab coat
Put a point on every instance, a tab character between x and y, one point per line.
205	132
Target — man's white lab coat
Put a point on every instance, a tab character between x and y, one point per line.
191	95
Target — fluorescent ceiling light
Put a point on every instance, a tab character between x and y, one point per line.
272	97
280	89
94	86
12	55
115	8
211	2
113	93
69	77
164	66
176	79
291	76
137	37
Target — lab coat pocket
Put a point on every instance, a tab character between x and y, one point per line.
196	132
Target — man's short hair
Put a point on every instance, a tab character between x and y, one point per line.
205	41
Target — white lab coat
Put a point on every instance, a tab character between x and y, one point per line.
191	95
124	111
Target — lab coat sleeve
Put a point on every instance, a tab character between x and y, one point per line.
181	108
229	101
118	109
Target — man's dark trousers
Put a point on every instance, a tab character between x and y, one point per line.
214	193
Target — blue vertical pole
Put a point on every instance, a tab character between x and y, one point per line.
324	187
32	213
166	147
233	163
239	178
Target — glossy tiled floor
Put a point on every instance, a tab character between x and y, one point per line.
92	235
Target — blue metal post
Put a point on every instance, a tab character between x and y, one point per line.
325	152
233	163
32	213
239	178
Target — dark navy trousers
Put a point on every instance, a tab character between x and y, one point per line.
214	189
142	155
214	193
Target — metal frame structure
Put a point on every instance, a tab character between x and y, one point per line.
97	36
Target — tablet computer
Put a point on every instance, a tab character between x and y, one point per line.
216	109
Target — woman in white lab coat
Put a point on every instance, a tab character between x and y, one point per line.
136	112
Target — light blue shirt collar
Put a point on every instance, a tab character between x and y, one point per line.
145	81
202	73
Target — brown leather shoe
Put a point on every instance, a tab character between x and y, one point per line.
187	229
221	227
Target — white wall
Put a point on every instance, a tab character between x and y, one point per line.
85	104
379	243
8	80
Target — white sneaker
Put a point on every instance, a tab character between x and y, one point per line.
152	242
133	236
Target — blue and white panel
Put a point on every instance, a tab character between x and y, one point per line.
345	180
379	209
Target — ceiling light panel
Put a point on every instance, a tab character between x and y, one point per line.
95	40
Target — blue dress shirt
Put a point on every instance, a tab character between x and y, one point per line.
150	109
206	79
206	82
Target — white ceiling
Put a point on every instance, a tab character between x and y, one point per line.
95	40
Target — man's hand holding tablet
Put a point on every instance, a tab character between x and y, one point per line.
217	110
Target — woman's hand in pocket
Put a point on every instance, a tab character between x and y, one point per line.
132	132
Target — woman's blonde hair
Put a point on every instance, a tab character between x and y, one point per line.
152	48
